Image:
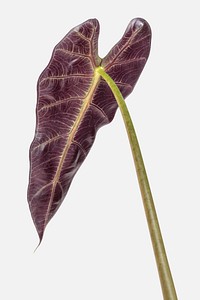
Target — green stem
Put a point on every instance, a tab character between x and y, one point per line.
168	288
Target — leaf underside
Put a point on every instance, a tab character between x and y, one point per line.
73	103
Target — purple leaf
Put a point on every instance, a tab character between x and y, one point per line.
73	103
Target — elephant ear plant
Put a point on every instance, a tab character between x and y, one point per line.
79	92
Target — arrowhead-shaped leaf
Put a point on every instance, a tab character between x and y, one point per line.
73	103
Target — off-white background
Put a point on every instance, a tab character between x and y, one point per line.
97	246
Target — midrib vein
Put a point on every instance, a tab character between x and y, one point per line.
86	103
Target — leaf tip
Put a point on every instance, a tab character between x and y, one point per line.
40	241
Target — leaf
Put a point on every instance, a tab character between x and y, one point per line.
73	103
